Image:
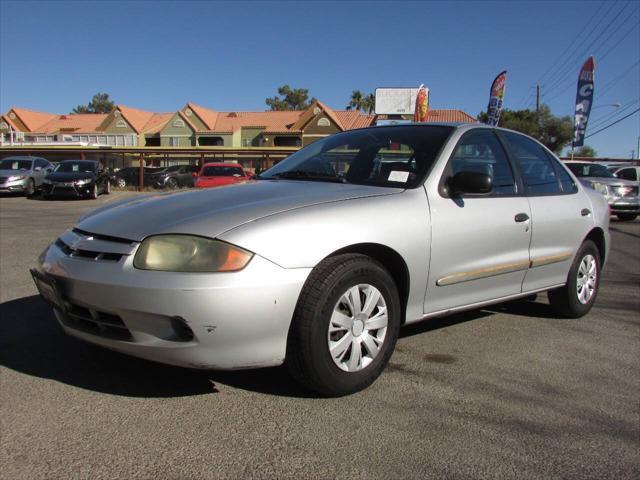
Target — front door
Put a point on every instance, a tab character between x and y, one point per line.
480	243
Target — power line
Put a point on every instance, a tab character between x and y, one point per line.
605	118
569	68
618	78
613	123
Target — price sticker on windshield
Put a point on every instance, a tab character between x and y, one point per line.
398	176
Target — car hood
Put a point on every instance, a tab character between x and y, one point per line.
69	176
608	181
211	212
14	173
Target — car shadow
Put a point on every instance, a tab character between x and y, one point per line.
33	343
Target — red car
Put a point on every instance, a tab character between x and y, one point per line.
218	174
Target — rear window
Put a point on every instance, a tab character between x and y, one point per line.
589	170
219	171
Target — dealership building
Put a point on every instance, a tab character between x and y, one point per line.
192	126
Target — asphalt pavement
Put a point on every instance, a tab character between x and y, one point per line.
509	391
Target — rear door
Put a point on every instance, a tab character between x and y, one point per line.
560	215
480	243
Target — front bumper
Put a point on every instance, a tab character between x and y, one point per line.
624	204
204	320
14	186
68	189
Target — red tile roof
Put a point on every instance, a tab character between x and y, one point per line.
157	122
136	118
33	119
208	117
76	123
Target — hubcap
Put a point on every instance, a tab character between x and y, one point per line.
357	327
586	280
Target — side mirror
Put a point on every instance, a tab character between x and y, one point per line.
470	182
37	169
49	170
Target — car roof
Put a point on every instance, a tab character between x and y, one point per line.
221	164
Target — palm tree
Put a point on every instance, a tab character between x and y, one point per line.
357	100
369	103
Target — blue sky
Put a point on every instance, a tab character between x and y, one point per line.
231	56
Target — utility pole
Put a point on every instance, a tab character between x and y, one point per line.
537	98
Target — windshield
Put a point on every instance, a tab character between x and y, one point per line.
398	156
219	171
81	166
12	164
589	170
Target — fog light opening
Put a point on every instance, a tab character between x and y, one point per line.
181	329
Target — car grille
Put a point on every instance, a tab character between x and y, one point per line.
95	322
86	245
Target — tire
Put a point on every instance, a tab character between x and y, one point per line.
572	301
172	183
107	188
93	195
626	217
317	354
30	189
121	182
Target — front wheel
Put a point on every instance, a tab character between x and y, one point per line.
345	325
30	189
626	217
172	183
579	294
121	182
93	195
107	188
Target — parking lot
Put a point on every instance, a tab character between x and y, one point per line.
509	391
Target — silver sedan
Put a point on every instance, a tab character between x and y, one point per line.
320	261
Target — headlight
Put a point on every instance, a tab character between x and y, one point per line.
600	187
16	177
84	181
185	253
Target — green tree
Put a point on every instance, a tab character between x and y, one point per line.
290	99
360	101
554	132
100	103
357	101
585	151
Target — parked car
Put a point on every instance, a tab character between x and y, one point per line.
23	174
175	176
219	174
626	172
130	176
77	178
319	270
621	194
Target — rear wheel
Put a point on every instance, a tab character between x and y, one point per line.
121	182
579	294
626	217
94	192
172	183
107	188
345	325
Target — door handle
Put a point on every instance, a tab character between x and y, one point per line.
521	217
585	212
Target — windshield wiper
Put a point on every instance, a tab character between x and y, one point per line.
306	175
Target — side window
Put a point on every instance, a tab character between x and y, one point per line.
627	174
480	151
40	163
566	182
539	176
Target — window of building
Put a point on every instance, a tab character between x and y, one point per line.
324	122
210	141
174	141
287	142
538	173
121	124
152	141
67	138
178	123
